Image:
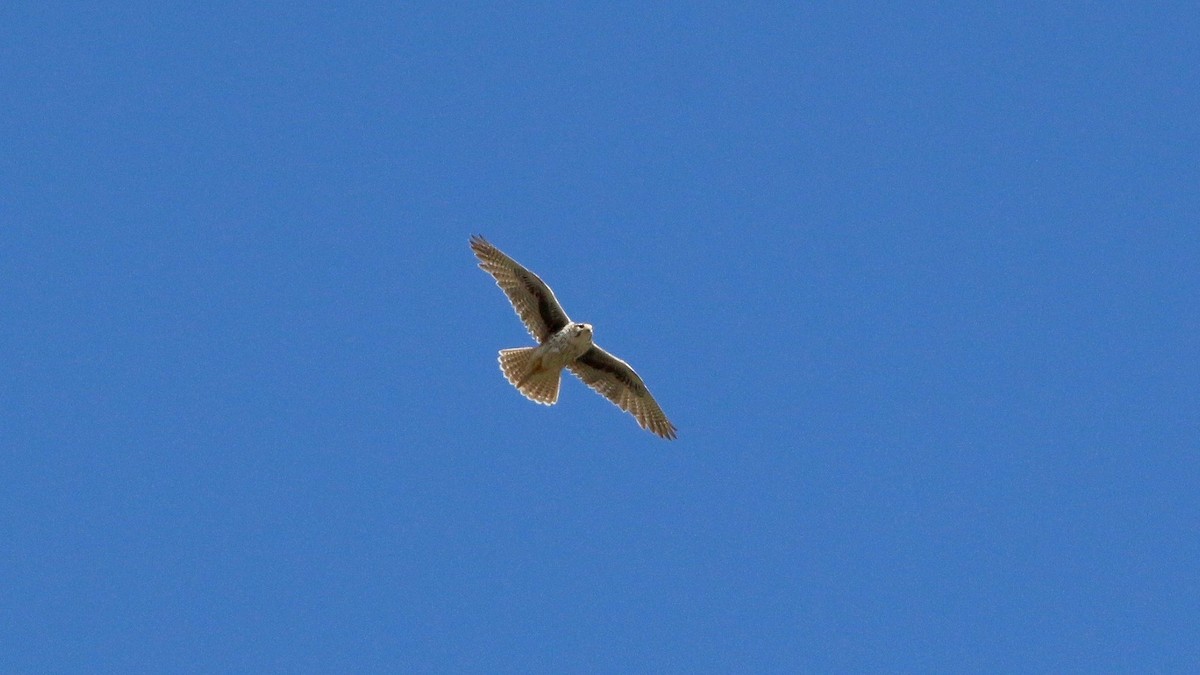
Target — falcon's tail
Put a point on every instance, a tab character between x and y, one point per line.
522	370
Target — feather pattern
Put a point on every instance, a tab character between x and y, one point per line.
535	371
532	299
613	379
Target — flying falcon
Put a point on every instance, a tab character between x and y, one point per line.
562	343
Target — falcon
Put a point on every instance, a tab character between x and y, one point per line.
562	343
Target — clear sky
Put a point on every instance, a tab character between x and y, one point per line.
918	285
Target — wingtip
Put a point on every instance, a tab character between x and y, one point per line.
663	429
480	247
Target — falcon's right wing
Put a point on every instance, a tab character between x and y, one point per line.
530	296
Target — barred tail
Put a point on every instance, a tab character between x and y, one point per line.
536	384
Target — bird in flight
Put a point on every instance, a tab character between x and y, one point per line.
562	343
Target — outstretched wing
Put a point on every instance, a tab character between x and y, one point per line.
530	296
616	381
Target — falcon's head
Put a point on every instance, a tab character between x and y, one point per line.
581	333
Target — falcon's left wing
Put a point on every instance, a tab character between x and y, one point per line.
616	381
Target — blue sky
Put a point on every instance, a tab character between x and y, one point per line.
917	284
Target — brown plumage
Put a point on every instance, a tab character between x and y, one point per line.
562	343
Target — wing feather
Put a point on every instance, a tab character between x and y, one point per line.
532	299
613	379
